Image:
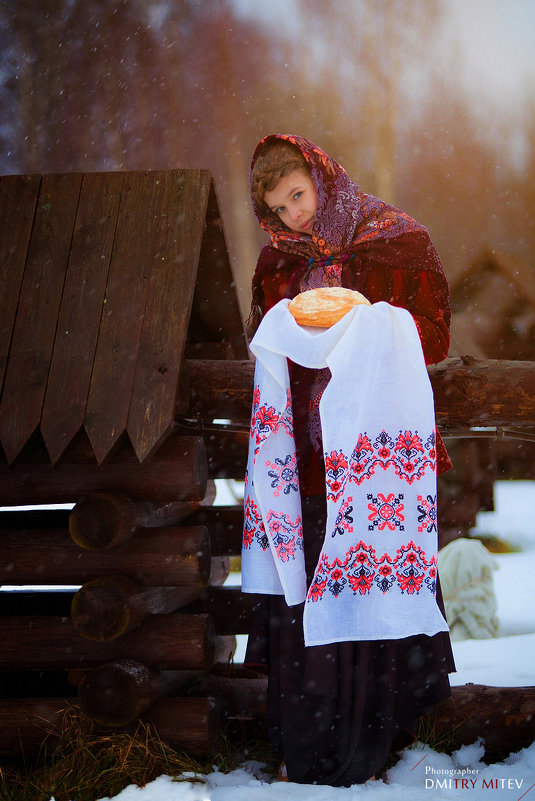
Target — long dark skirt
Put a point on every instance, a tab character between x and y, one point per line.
335	712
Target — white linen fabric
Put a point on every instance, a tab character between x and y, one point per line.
376	575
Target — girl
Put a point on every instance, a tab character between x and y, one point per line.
336	711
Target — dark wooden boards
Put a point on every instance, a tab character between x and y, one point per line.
18	197
216	316
37	312
100	282
177	243
81	307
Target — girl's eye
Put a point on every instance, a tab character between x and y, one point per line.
279	210
297	195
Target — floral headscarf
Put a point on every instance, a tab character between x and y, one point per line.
346	217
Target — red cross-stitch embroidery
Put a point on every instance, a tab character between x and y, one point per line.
363	571
283	475
386	512
253	526
343	522
427	517
335	474
287	536
407	454
266	420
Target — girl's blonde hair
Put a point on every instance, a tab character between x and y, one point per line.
275	159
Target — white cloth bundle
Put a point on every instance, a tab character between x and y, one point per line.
466	569
376	575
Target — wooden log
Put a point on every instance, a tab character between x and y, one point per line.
105	519
225	648
219	571
225	524
115	694
192	725
167	642
178	472
226	451
503	716
27	724
220	389
167	557
241	692
110	607
467	392
215	301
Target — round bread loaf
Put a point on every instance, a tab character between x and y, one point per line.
323	307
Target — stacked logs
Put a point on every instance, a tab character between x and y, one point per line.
151	617
126	635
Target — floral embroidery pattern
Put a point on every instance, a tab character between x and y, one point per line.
266	420
335	474
407	454
386	512
286	536
253	526
427	508
343	522
362	571
284	475
362	463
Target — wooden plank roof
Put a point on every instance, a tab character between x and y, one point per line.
106	279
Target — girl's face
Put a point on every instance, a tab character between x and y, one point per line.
294	199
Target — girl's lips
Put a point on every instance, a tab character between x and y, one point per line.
308	225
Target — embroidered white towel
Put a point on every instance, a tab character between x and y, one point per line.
376	576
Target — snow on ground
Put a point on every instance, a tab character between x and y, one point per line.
423	774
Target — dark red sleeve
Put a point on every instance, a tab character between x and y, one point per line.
423	296
409	274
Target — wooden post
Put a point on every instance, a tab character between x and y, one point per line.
105	519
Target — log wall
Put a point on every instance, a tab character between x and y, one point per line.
120	344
